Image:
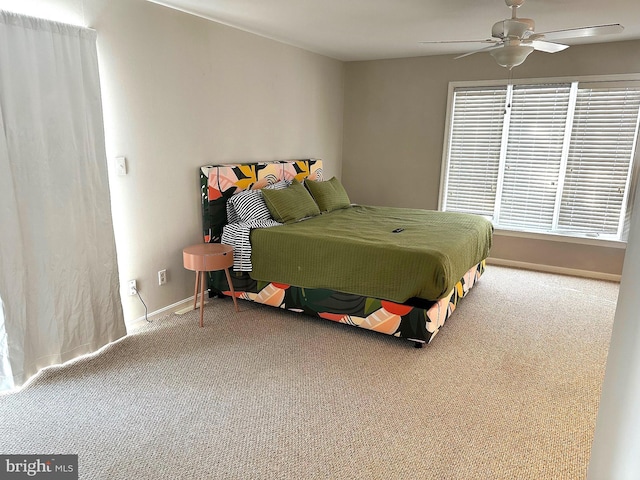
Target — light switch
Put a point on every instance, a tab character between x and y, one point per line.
121	165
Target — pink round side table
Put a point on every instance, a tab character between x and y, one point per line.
208	257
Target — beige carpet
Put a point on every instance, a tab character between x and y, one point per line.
508	389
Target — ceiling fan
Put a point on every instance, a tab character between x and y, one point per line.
513	39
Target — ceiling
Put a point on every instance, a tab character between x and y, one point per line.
376	29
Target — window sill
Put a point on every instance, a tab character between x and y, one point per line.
561	238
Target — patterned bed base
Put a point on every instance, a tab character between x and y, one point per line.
416	323
417	320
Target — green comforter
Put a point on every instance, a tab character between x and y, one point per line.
354	250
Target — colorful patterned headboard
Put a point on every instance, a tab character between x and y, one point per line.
219	182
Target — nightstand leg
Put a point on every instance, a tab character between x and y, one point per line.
202	299
195	292
233	292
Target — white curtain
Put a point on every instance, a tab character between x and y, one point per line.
59	289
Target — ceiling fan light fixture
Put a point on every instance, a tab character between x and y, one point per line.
510	56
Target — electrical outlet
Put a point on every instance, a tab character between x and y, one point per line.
162	277
133	288
121	166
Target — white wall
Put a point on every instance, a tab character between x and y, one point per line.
180	92
615	452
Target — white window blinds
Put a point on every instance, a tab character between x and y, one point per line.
534	149
551	158
476	136
598	167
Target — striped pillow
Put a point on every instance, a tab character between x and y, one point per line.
279	185
249	205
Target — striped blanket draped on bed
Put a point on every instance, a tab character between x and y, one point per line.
238	236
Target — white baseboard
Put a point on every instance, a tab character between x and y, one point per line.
188	308
186	304
554	269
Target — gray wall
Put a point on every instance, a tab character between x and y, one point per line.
179	92
394	123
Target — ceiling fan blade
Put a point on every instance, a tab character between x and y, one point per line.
548	47
583	32
485	49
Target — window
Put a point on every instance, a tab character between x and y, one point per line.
544	157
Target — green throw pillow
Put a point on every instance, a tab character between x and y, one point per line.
290	204
329	195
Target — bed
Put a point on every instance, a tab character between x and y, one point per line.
400	272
